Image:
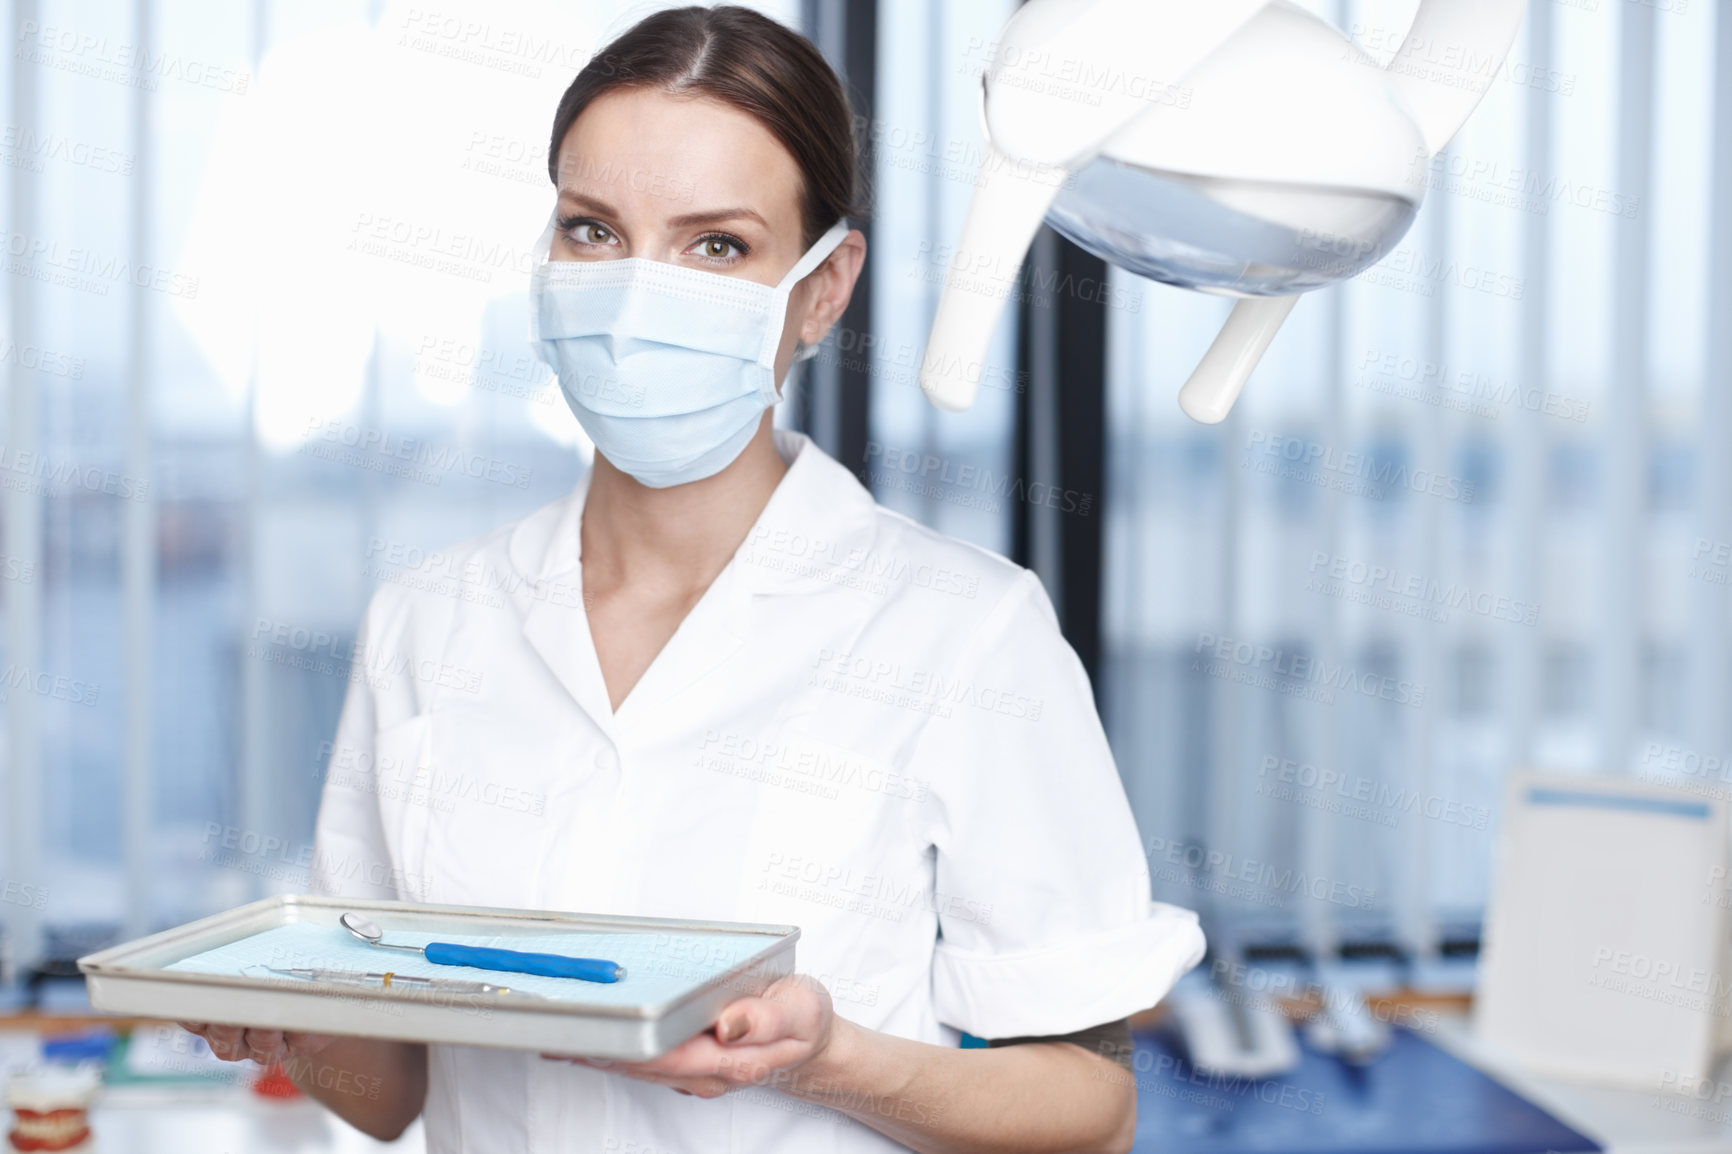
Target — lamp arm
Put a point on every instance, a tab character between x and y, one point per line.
1062	78
1446	63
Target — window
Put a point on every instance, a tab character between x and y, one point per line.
263	350
1559	602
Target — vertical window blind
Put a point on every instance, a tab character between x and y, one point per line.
1464	519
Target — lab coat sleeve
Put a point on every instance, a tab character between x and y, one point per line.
1041	885
350	855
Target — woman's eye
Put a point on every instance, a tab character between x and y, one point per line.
586	231
721	248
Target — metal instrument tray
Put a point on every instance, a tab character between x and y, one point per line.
689	977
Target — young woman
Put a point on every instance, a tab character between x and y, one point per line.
729	686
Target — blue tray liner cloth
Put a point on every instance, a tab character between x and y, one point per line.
660	966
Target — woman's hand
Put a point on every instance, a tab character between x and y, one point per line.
266	1047
375	1085
1027	1099
756	1042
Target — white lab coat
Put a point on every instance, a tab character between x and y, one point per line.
863	728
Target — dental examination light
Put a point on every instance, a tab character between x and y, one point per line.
1243	148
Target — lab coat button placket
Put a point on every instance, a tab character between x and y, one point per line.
606	761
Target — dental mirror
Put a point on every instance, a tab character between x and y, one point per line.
370	933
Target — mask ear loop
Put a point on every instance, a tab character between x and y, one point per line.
544	245
813	257
816	255
538	258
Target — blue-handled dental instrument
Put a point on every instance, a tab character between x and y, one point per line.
484	958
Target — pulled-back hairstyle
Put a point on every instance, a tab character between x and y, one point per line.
749	61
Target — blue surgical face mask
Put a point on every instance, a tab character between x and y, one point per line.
669	369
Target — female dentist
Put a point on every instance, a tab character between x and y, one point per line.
718	681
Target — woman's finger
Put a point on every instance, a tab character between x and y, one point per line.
693	1057
734	1066
792	1008
694	1085
770	1065
752	1022
306	1045
705	1087
225	1041
265	1046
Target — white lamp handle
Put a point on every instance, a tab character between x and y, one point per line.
1452	52
1477	33
1215	383
980	274
1065	75
1037	132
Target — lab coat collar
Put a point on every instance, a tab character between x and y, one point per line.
819	521
549	541
815	531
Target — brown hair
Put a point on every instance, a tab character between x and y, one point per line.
745	59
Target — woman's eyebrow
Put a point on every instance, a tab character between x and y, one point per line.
588	202
684	220
717	216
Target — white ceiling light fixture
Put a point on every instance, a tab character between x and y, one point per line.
1244	148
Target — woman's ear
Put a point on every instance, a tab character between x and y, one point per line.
834	281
